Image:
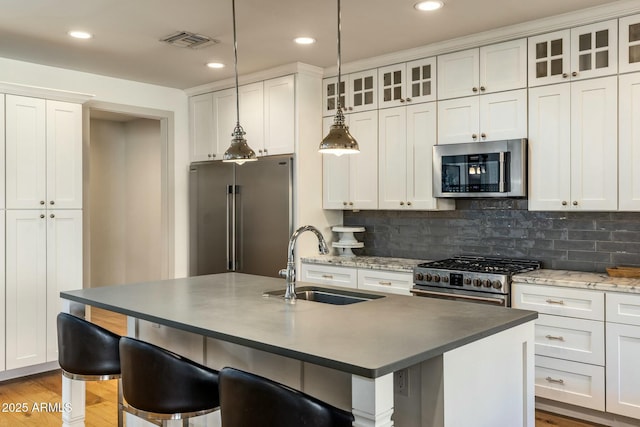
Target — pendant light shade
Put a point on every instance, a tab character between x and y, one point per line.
339	140
239	151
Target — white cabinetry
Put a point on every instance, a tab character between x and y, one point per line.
629	143
410	82
267	115
2	150
629	44
489	69
44	253
406	139
573	159
2	293
321	274
351	181
43	153
623	353
358	92
579	53
490	117
392	282
569	347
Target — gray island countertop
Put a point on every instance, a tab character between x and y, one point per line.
369	339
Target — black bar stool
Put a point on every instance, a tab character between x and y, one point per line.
159	385
251	400
87	352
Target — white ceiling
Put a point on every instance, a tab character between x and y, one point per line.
126	32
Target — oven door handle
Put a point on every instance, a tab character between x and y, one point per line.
497	301
503	178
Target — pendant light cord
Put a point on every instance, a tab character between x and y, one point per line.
339	55
235	53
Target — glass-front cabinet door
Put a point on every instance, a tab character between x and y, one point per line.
630	44
330	95
580	53
363	91
407	83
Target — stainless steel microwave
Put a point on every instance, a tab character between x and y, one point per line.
480	169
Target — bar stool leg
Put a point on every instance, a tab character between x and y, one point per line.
120	405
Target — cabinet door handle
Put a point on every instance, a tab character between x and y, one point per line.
565	75
401	203
564	203
408	99
327	276
213	155
553	380
474	136
474	89
483	135
575	203
52	215
42	202
482	88
52	202
408	203
553	301
401	100
41	215
551	337
384	282
574	74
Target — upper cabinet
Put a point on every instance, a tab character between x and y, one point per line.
573	160
350	181
358	92
43	153
629	142
579	53
267	112
629	44
407	83
489	69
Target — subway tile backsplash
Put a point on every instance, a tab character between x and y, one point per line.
584	241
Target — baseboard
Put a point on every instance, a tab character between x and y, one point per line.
29	370
585	414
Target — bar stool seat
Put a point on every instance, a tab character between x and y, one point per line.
159	385
250	400
88	352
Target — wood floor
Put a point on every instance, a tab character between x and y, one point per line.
35	401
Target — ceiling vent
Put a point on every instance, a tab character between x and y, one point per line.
190	40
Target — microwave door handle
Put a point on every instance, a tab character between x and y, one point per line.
501	184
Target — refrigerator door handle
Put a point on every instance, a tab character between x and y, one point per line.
230	227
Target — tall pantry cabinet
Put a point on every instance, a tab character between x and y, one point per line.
43	223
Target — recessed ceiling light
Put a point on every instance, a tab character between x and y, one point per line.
429	5
80	34
215	65
304	40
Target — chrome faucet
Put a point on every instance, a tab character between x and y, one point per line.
290	272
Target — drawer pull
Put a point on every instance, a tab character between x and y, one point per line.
327	276
555	301
553	380
551	337
385	283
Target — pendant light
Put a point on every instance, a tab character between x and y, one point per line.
339	141
239	151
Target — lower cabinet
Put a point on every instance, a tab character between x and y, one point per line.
43	256
623	354
587	346
393	282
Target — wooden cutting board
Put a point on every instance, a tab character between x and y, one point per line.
622	271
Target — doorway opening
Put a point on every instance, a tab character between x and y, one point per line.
128	224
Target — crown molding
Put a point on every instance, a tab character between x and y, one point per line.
605	12
43	92
283	70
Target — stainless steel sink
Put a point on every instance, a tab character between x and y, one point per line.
326	295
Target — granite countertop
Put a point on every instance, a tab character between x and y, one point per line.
579	279
371	262
369	338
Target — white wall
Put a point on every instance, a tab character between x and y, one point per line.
125	234
129	93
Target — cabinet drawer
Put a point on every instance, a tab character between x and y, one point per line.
579	340
329	275
623	308
560	301
570	382
385	281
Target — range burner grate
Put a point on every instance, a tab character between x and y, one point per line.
483	265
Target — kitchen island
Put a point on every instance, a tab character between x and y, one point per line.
461	364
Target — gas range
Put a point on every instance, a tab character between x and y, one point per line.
487	279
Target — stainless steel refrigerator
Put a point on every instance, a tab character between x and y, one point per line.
241	216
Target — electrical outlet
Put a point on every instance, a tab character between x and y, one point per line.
401	378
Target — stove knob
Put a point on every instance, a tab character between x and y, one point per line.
486	283
445	279
427	277
497	284
419	276
476	282
436	278
467	281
